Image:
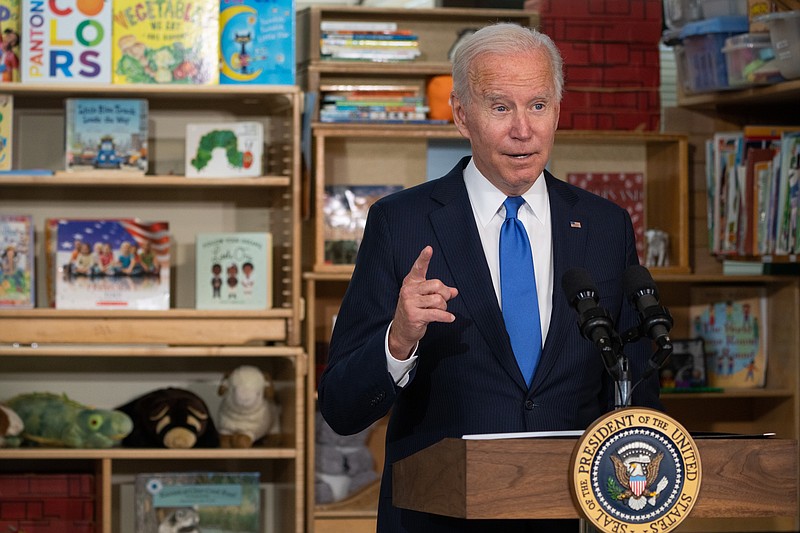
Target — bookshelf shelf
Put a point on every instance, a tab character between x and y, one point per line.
92	180
786	92
107	357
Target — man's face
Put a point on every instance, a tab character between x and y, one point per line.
511	118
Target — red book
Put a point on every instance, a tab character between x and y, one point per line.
626	189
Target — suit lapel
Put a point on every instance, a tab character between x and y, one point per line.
569	244
461	248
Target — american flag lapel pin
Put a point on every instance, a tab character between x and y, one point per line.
574	224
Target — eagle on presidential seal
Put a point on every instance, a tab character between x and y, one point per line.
636	467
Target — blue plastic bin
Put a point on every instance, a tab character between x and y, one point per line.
702	43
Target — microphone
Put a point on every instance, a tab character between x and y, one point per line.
655	320
594	322
641	290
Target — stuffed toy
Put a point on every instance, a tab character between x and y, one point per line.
170	418
10	427
53	420
248	411
343	464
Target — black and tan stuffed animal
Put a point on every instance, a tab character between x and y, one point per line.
170	418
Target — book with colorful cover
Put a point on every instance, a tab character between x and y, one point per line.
344	217
234	271
109	263
66	42
257	42
17	273
185	501
224	150
788	212
10	27
166	42
732	321
6	130
685	368
627	190
106	134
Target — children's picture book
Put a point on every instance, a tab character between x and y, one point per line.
257	42
106	134
109	263
224	150
10	27
732	321
227	502
66	42
6	130
686	366
626	189
17	273
165	42
234	271
344	217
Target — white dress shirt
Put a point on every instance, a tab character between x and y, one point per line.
487	208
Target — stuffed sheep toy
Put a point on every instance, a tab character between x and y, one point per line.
248	411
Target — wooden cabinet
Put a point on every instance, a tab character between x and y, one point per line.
773	408
106	358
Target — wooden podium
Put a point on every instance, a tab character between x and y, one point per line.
742	477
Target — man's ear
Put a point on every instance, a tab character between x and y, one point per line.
459	114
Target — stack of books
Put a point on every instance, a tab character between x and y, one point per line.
367	41
374	103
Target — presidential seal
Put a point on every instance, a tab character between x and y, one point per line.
635	470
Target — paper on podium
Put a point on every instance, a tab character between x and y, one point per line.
524	435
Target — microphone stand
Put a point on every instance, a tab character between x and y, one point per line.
622	385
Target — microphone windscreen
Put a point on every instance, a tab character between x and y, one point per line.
576	281
637	278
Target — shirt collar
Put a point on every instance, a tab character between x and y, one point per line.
487	200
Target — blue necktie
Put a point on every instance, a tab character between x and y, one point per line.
518	290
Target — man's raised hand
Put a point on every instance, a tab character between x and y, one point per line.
421	302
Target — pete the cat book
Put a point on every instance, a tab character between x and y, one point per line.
68	41
234	271
109	263
17	271
257	42
106	134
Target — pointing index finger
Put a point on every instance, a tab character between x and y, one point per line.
419	271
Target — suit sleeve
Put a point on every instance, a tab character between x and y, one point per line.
356	388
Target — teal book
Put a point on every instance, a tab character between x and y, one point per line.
106	135
234	271
257	42
227	502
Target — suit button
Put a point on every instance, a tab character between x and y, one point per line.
378	398
528	404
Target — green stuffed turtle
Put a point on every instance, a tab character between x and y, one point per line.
53	420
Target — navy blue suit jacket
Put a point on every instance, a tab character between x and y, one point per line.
466	379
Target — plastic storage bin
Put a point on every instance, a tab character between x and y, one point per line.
723	8
784	32
744	54
703	40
